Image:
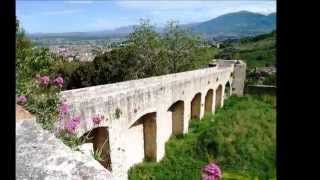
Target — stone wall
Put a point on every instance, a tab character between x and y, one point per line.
40	155
239	75
139	114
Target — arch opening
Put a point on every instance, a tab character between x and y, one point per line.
149	135
208	101
177	110
218	97
99	137
227	91
196	106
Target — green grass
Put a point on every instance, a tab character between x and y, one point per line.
240	137
255	51
259	51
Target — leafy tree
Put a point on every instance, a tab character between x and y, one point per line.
180	47
147	47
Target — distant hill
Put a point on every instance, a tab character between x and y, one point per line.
238	24
232	25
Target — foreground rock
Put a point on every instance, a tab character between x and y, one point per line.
40	155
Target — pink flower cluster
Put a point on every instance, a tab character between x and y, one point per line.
211	172
21	100
96	119
45	81
58	82
72	125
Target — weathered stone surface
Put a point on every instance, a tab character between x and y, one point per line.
40	155
86	149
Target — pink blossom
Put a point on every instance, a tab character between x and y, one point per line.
211	171
97	119
21	100
58	81
44	80
72	125
208	177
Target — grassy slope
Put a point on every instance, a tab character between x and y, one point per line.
256	51
259	53
240	137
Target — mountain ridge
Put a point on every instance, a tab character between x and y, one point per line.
237	24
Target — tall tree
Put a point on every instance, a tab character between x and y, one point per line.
147	48
180	46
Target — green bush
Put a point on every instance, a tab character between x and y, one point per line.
31	61
42	101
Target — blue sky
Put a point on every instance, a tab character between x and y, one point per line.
80	16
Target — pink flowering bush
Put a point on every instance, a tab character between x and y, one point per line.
211	172
58	82
43	80
71	125
21	100
96	119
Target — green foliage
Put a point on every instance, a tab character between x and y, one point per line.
30	61
256	51
146	45
70	140
42	101
240	137
180	48
65	69
260	78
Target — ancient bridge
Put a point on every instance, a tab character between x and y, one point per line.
141	115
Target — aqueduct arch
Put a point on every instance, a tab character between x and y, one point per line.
100	138
218	97
227	90
177	110
209	101
148	121
196	106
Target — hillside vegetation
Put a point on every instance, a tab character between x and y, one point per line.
240	137
256	51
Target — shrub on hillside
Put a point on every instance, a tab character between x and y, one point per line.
41	94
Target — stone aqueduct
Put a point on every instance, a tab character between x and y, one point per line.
141	115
